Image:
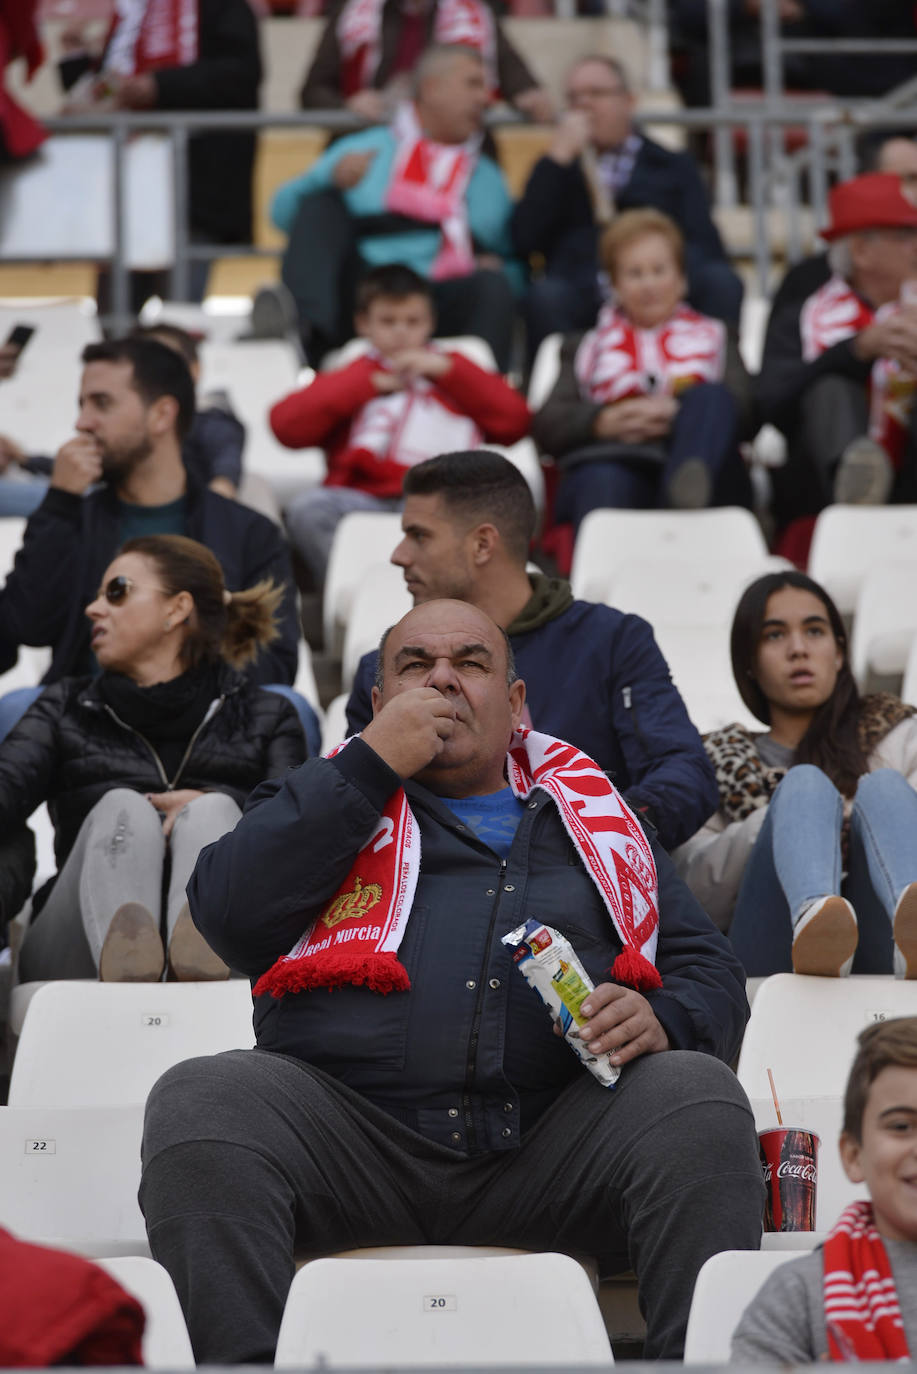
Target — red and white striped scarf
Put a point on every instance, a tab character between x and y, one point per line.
831	314
359	35
862	1315
356	937
428	182
616	359
410	425
148	34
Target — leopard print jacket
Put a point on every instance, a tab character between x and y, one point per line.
746	782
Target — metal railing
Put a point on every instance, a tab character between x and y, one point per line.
774	180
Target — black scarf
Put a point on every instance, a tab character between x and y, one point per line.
168	713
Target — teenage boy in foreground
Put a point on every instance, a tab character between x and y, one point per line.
855	1298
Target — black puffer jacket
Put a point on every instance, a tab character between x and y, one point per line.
69	749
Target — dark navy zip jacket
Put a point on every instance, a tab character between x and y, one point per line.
467	1056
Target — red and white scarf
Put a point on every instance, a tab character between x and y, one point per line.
862	1314
831	314
356	937
428	182
891	399
408	426
359	35
616	359
148	34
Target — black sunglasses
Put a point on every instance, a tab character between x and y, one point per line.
118	589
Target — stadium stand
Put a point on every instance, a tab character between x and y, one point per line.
725	1286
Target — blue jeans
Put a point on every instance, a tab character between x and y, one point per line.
704	427
15	704
797	858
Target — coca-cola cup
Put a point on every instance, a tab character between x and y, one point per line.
789	1159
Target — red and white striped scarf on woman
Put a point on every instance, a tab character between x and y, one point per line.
617	360
428	182
148	34
356	937
359	35
862	1315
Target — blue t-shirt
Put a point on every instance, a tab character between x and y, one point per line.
494	818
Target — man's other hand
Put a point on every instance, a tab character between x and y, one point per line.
411	729
9	356
622	1023
78	464
351	169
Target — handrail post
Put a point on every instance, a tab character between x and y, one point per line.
726	190
756	177
181	276
119	270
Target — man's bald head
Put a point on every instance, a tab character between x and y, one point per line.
489	625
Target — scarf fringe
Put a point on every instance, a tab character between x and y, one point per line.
379	972
632	968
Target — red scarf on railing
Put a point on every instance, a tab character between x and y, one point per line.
616	359
359	35
148	34
862	1315
19	38
356	937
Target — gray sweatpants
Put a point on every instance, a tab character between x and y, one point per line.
118	857
248	1156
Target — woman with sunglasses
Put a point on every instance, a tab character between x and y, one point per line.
811	861
146	763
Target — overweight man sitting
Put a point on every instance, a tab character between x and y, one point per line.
407	1086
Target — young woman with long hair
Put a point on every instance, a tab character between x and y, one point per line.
811	861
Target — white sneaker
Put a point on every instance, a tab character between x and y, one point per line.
905	932
825	938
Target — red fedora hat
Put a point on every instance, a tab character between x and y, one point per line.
872	201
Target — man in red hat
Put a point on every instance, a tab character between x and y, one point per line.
840	367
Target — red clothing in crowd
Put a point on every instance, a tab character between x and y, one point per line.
20	134
328	411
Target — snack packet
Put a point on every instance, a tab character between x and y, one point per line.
548	963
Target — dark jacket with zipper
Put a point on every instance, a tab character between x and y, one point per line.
467	1056
597	678
70	541
70	748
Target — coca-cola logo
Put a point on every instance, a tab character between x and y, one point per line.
806	1172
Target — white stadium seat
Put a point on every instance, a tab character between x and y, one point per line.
696	592
520	1310
608	539
69	1177
361	540
885	623
725	1286
335	727
85	1043
849	540
381	599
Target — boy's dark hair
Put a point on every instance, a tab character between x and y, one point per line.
394	282
158	371
185	343
480	487
885	1045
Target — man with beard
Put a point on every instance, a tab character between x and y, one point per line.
121	476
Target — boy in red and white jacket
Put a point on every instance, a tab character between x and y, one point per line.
405	400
